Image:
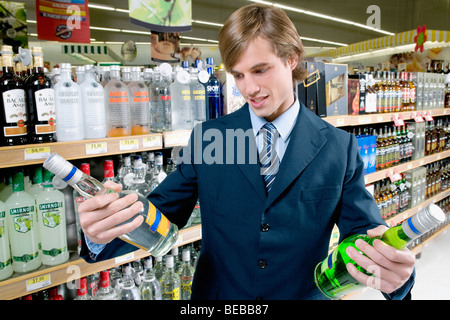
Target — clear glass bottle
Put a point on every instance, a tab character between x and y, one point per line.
82	292
198	97
124	170
158	175
150	287
106	291
139	103
117	104
22	228
128	289
181	107
51	212
156	234
331	275
186	275
170	282
138	183
159	268
108	171
37	185
77	200
69	108
93	105
6	269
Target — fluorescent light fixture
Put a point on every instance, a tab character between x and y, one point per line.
322	16
31	21
193	38
208	23
135	31
100	6
104	29
122	10
324	41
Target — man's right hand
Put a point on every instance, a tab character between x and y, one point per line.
101	215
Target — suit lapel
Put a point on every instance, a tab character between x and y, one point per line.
306	141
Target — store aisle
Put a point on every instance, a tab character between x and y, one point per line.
432	272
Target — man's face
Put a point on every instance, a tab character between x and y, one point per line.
264	79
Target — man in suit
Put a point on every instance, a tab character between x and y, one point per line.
266	223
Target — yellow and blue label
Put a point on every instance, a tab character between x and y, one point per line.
157	221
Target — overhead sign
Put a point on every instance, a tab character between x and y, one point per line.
66	21
162	16
13	24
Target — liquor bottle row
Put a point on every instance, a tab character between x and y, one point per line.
33	229
37	108
385	146
387	91
164	278
412	189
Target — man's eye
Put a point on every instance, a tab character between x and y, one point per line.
260	71
237	76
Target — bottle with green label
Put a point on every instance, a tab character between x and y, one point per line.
331	275
52	223
22	227
6	270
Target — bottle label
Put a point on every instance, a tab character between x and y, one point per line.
54	252
172	295
15	112
51	214
157	221
328	263
45	110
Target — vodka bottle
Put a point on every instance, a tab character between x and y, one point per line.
7	190
138	272
22	228
159	268
159	174
80	72
77	200
106	291
126	75
37	186
150	287
150	171
69	109
331	275
93	283
128	289
124	170
139	104
13	118
108	172
196	215
198	98
117	105
186	275
155	235
159	101
40	102
52	223
6	269
181	109
93	106
138	184
148	76
82	292
175	252
104	75
170	282
213	96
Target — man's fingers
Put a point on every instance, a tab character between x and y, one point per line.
117	231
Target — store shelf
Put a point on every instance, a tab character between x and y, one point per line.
47	277
383	174
343	121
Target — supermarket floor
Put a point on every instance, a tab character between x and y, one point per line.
432	272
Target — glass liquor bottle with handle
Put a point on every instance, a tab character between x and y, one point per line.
331	275
155	235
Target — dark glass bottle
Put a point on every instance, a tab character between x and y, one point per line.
40	102
13	116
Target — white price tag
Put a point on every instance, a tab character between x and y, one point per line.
38	283
129	144
125	258
152	142
37	153
177	138
96	148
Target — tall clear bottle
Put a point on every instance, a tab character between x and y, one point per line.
93	105
138	183
13	117
156	234
117	95
51	212
139	104
108	171
160	100
158	174
128	289
40	102
181	108
150	287
170	282
22	228
106	291
186	275
69	107
78	199
331	275
124	170
6	269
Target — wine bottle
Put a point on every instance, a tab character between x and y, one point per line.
331	275
156	235
14	118
6	269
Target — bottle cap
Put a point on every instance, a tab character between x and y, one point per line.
65	66
186	255
165	69
169	261
183	76
108	169
62	169
423	221
203	76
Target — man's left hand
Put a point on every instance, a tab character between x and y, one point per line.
391	267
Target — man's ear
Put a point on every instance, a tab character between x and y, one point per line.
293	61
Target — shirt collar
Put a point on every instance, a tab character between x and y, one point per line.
284	123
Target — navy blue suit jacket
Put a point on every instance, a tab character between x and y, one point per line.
258	246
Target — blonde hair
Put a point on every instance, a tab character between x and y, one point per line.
254	20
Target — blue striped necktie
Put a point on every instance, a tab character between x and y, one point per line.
268	156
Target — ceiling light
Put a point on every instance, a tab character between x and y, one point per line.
208	23
99	6
324	41
135	31
104	29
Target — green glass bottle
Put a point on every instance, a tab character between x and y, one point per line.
331	275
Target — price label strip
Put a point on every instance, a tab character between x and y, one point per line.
417	117
398	120
394	175
427	115
96	148
152	142
37	153
38	282
129	144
